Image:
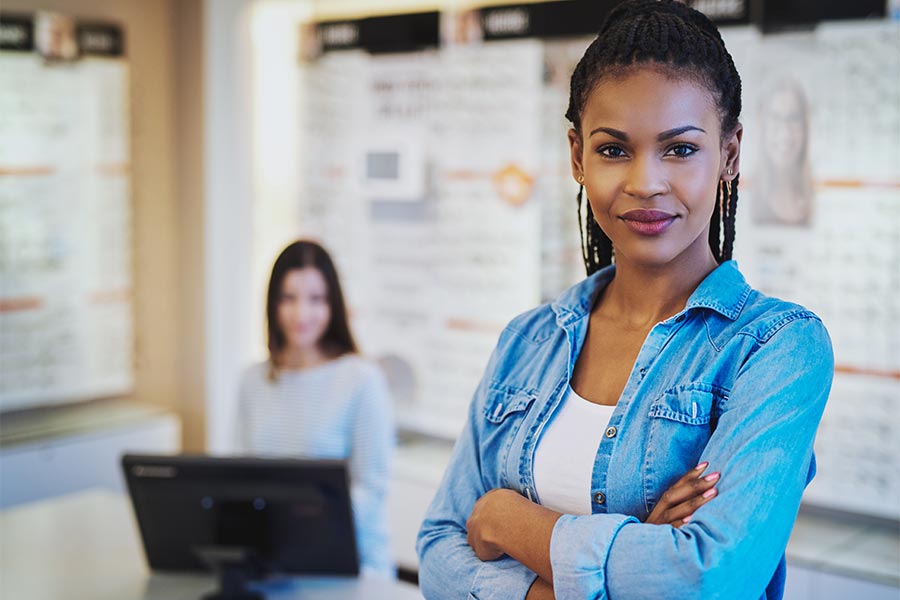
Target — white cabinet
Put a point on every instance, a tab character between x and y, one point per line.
417	471
82	454
809	584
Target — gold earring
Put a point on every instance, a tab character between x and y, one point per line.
581	179
722	198
723	206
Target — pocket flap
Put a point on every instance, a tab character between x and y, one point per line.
691	405
502	402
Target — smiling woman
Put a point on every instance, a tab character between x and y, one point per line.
652	168
316	397
583	470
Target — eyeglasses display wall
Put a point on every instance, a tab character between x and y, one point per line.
419	174
65	214
819	224
440	181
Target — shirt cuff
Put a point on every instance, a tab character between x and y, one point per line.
502	579
579	547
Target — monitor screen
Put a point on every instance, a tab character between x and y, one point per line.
292	516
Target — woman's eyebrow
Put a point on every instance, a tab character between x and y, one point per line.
665	135
613	132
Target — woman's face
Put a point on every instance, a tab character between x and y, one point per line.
652	157
303	309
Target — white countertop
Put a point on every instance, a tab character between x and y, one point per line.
86	545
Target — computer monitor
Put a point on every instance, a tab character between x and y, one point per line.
265	515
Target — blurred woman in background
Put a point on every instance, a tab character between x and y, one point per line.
316	397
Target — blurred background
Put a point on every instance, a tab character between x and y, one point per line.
155	156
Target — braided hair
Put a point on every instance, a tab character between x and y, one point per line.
673	36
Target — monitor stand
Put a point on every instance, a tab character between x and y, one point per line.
234	567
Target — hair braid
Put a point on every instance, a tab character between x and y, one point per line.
715	230
596	247
684	41
728	221
581	232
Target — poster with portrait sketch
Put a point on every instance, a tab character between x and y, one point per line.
781	171
54	36
819	224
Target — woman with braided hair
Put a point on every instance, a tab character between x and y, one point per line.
649	434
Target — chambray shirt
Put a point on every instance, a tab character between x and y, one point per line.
737	378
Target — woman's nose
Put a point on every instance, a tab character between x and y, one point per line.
645	178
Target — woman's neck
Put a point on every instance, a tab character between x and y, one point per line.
640	296
294	358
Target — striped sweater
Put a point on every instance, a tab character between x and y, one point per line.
337	410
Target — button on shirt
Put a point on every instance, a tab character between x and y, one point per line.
737	378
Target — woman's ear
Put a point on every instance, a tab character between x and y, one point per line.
576	152
731	154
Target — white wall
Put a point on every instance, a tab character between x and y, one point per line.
251	153
228	208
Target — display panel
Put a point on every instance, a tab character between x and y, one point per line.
65	213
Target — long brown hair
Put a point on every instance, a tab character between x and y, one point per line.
337	339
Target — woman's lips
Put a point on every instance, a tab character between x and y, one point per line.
648	222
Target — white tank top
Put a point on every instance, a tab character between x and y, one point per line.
564	457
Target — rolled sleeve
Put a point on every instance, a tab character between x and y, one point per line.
502	579
579	548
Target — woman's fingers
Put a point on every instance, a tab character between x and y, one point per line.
690	507
689	486
692	496
684	497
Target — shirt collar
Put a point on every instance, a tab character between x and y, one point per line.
724	290
576	302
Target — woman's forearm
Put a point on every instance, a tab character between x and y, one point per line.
504	522
528	541
540	590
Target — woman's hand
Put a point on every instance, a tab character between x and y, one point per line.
487	520
678	503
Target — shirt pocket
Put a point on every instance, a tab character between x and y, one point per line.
681	423
505	410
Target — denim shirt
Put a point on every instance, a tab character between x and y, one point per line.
737	379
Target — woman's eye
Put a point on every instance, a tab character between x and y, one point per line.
611	151
682	150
